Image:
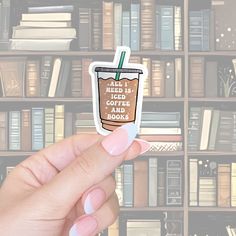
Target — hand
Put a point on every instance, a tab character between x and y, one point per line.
67	188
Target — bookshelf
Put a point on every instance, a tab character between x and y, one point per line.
182	104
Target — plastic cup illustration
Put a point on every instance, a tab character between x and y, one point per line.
117	92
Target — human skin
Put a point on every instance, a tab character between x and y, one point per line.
67	188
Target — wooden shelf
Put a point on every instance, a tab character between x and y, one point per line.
213	153
212	209
233	99
89	53
15	153
132	209
213	53
82	100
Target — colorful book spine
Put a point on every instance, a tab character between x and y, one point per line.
3	131
14	130
49	126
59	123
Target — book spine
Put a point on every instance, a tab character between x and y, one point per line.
178	78
174	183
86	82
59	123
126	29
211	79
97	29
32	79
128	185
158	75
108	23
153	163
49	126
233	185
169	79
14	130
3	131
178	38
5	20
214	129
68	124
167	30
193	182
76	78
135	27
118	25
158	27
85	29
26	130
45	75
37	128
206	30
147	81
161	183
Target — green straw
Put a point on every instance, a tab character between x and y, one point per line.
121	62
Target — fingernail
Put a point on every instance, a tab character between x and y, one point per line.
119	140
144	145
85	227
94	200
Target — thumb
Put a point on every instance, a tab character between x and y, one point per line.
88	169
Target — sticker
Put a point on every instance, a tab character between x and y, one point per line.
117	91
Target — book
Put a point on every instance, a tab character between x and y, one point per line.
161	183
158	78
197	77
118	25
46	24
14	130
211	79
44	33
178	77
32	78
64	16
85	23
141	227
152	182
147	8
59	123
55	77
12	74
233	186
173	183
108	23
223	187
76	78
26	130
49	119
44	9
126	28
147	81
128	185
119	177
68	121
45	75
178	38
135	26
193	182
86	82
140	183
97	29
3	131
40	44
37	128
169	79
206	124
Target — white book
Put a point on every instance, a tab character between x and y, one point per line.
46	24
46	17
55	77
45	33
178	77
40	44
193	179
152	182
206	124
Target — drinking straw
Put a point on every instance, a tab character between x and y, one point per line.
121	62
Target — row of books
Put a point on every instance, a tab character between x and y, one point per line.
36	128
163	224
45	77
153	182
211	130
212	183
162	130
60	76
47	28
212	78
142	26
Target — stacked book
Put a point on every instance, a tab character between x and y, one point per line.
162	130
44	28
212	183
84	123
150	183
211	130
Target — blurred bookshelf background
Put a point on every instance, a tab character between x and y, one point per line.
186	183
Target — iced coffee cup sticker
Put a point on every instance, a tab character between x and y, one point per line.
117	92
